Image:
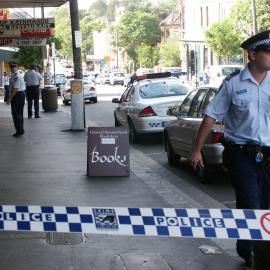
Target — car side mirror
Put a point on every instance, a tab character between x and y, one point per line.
173	111
115	100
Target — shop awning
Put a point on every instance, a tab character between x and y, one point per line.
31	3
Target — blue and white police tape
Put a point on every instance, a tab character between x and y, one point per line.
195	223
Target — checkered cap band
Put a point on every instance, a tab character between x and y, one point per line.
259	43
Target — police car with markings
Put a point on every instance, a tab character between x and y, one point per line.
143	106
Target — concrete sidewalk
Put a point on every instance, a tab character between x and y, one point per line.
47	166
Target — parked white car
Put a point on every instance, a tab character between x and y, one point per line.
117	78
218	73
180	133
143	106
89	89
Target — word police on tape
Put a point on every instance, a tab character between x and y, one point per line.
197	223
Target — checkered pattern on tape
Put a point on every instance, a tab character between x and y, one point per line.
62	219
237	223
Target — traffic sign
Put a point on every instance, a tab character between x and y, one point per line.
22	24
26	33
20	42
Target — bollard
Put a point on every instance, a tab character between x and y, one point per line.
261	255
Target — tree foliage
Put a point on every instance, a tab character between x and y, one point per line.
63	31
223	39
137	28
241	16
148	56
170	53
98	9
27	56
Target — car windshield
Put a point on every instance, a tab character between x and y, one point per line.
228	70
163	89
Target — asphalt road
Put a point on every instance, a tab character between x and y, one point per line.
152	145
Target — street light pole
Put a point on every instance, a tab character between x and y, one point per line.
254	17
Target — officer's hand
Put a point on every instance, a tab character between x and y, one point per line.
195	160
8	101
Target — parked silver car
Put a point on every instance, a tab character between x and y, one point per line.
89	89
143	106
180	134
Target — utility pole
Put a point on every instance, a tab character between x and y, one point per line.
77	91
254	17
75	29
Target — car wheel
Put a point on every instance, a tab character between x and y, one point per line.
95	100
116	122
133	135
173	159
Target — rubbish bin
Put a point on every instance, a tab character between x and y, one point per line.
49	99
261	258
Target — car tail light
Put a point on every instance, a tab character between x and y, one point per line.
147	112
216	137
92	89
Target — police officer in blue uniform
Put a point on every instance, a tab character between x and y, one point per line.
17	99
243	104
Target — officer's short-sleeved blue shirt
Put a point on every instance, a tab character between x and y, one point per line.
244	106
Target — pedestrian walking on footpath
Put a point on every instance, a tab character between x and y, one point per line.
6	86
243	103
17	99
32	79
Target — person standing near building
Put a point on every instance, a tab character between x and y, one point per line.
32	79
243	103
17	99
6	86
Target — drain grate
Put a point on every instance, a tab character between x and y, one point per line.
65	238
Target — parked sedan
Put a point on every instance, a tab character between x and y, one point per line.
180	133
90	93
143	106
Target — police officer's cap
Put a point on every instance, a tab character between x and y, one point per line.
258	42
12	64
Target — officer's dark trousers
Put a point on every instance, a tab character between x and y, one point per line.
7	93
17	105
32	94
252	187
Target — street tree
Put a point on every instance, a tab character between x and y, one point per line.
27	56
223	39
169	53
88	26
148	56
136	28
241	16
98	9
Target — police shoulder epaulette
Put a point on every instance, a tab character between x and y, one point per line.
232	74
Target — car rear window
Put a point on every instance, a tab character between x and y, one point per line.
228	70
163	89
119	74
